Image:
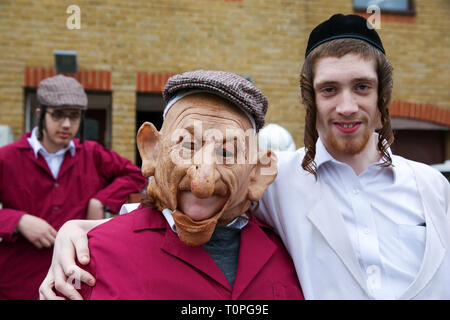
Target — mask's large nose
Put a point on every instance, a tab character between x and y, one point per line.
203	175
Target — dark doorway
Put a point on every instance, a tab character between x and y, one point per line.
427	146
149	107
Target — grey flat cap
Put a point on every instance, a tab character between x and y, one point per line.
62	92
229	86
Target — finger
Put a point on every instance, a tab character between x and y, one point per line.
45	243
82	249
53	232
46	290
65	285
51	238
37	244
78	275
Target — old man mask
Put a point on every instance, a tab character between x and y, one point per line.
204	162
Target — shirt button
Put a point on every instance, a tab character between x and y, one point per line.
356	191
366	230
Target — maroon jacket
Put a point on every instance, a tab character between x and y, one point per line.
138	256
27	186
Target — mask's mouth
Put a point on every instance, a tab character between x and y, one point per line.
197	232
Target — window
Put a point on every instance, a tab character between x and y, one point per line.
97	118
405	7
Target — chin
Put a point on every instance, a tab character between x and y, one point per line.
199	215
350	145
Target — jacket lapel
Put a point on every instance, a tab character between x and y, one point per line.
255	250
436	235
39	161
197	257
68	162
330	223
432	259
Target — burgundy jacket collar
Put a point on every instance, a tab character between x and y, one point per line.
68	162
256	249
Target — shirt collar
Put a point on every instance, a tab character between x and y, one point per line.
323	156
237	223
38	147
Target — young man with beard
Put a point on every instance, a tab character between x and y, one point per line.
193	238
358	221
47	178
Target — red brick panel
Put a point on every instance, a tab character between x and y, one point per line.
151	81
418	111
89	79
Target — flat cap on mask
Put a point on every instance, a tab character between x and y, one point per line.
62	92
239	91
343	26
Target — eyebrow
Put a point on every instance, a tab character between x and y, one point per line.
66	111
324	83
372	81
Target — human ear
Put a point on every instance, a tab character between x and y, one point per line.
148	139
263	174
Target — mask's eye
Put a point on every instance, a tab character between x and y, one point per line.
189	145
224	153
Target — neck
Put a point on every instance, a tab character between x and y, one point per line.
361	161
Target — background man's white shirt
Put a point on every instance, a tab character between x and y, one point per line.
54	160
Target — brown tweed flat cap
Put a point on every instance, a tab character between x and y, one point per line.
229	86
62	92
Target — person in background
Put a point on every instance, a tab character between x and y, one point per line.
48	177
275	138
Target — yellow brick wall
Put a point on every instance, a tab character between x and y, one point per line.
263	39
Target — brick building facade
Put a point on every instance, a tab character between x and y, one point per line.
127	49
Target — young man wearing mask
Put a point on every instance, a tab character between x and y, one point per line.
193	237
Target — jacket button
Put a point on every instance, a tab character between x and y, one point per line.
56	184
55	208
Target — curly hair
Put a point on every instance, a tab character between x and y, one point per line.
338	48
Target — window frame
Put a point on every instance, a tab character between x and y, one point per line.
411	11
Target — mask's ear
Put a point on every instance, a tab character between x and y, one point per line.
147	141
262	174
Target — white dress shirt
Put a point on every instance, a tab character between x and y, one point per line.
384	219
54	160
